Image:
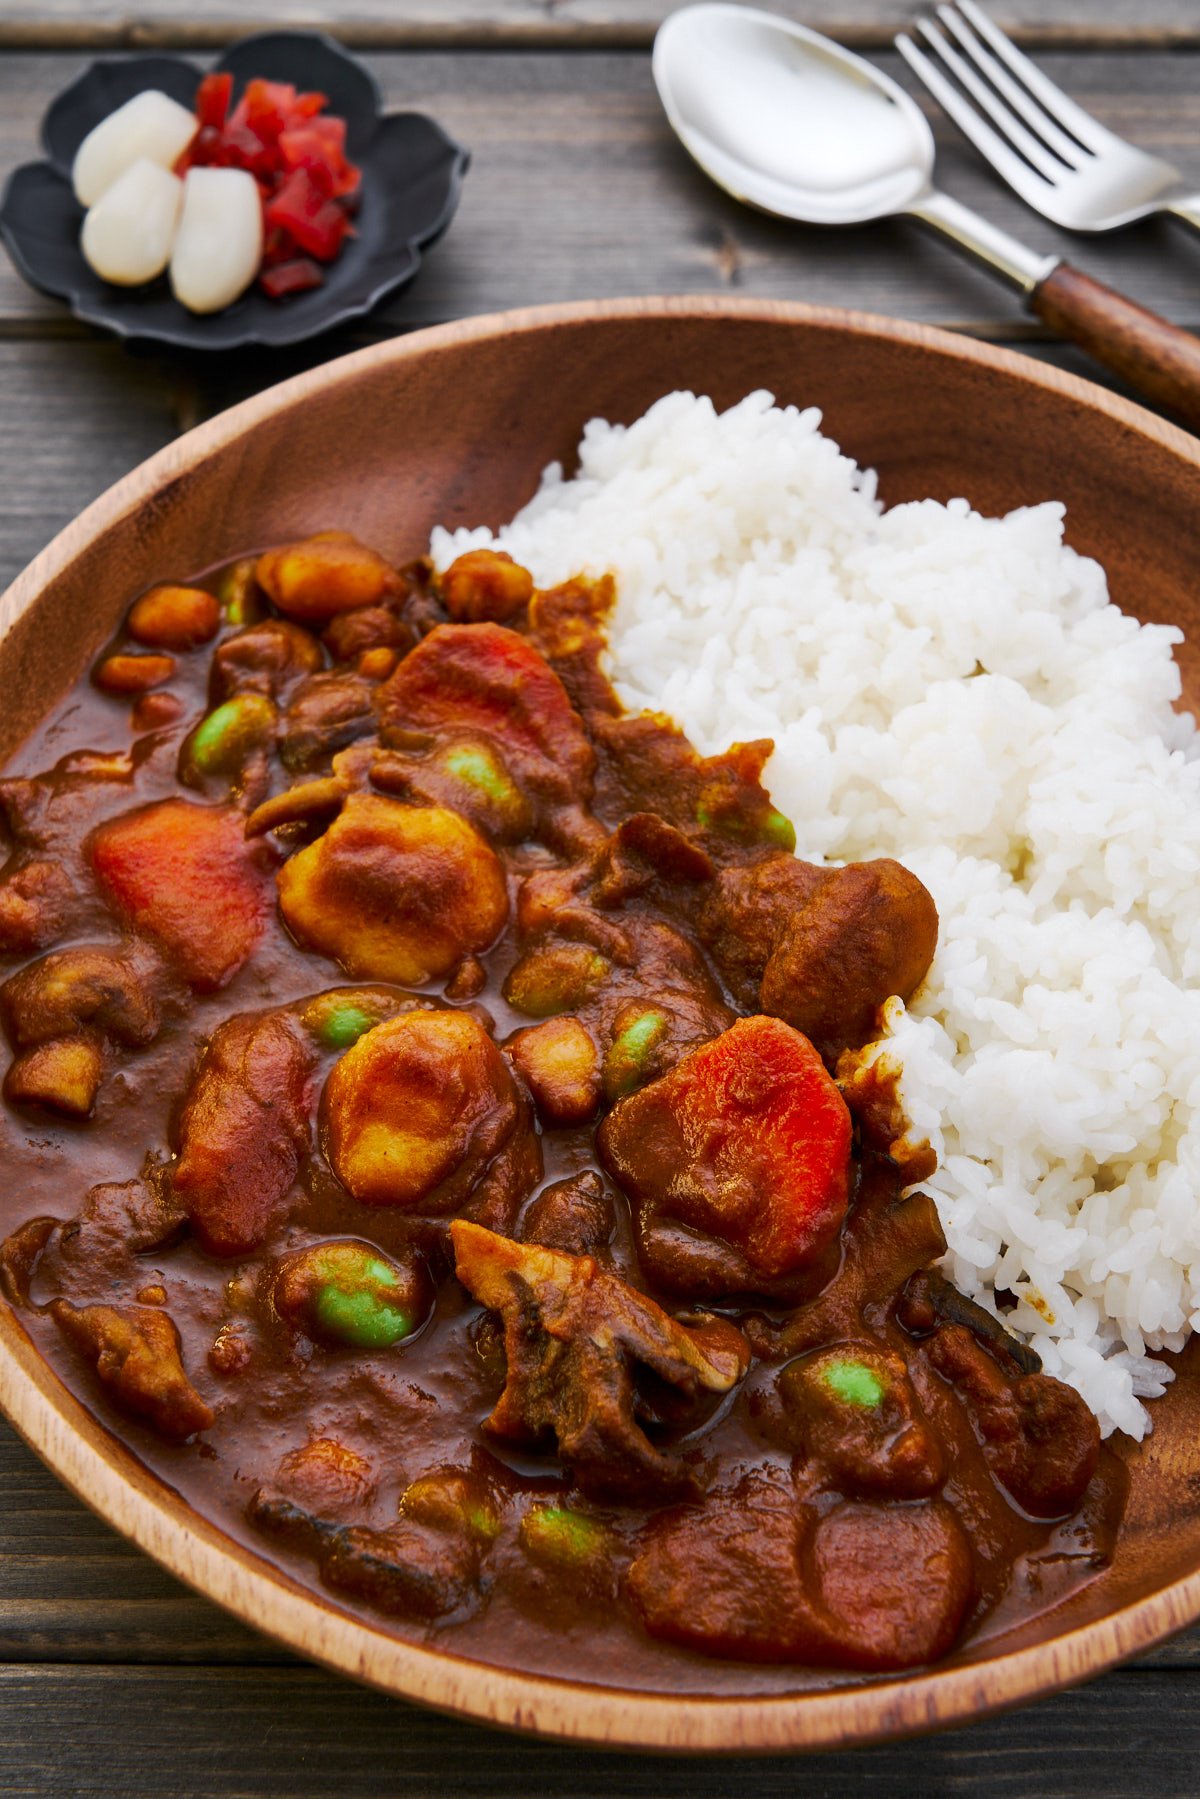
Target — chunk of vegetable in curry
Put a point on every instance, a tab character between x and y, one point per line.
747	1139
418	1110
553	1264
395	893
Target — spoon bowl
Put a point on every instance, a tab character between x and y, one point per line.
787	121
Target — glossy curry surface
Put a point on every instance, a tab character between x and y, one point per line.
437	1146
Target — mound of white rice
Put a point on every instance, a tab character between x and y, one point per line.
959	693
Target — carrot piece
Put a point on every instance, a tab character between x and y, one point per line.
747	1139
489	679
185	876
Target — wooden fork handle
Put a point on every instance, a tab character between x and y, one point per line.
1159	359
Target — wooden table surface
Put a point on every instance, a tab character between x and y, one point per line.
114	1679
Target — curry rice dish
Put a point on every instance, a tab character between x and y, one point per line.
439	1141
957	692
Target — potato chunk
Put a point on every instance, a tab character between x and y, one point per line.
64	1074
395	893
314	580
486	584
417	1109
559	1064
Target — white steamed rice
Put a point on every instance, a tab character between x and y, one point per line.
959	693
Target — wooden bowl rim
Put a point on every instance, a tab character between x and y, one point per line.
114	1483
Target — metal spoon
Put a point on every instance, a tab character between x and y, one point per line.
787	121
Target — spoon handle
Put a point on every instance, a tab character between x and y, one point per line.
1160	359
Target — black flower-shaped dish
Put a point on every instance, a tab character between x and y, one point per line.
412	174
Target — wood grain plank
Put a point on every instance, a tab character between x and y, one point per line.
578	189
297	1733
76	416
542	23
72	1590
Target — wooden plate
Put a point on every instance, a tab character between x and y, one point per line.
454	425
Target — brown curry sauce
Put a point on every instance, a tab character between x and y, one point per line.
785	1440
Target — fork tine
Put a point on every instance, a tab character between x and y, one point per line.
1028	146
1067	149
1060	106
1007	164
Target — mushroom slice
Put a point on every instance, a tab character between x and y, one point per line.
135	1352
574	1336
309	802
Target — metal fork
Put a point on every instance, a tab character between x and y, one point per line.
1061	160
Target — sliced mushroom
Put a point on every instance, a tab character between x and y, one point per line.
135	1351
574	1336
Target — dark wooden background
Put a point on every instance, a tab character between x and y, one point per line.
114	1679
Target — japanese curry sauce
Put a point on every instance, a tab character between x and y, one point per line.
419	1406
